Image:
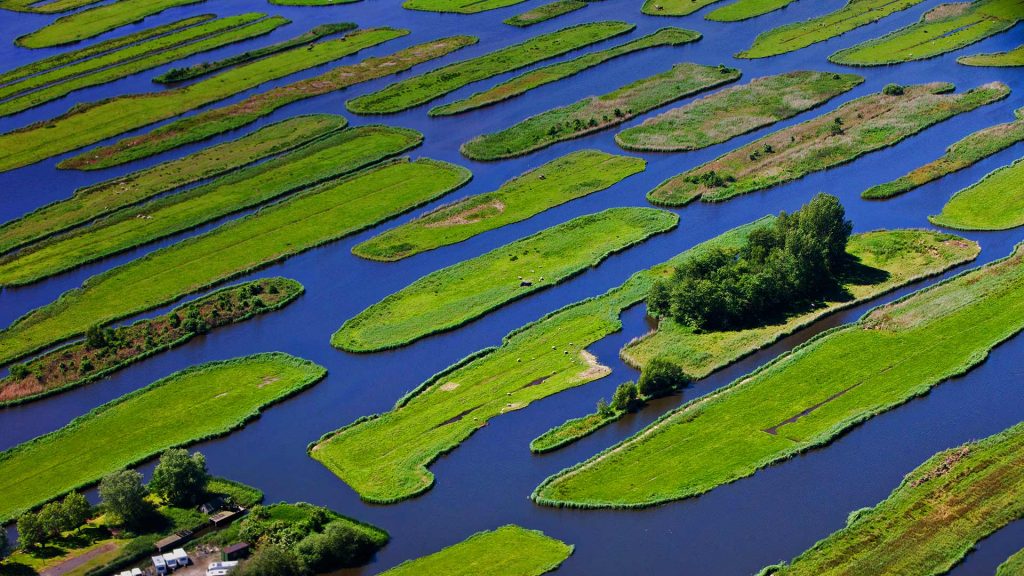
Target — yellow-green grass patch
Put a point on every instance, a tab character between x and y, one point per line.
1014	565
44	7
458	6
572	430
744	9
95	21
507	551
674	7
996	202
1013	57
545	12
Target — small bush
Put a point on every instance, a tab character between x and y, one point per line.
661	377
893	90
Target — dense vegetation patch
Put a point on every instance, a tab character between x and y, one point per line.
1013	57
507	551
95	21
572	176
856	128
421	89
993	203
744	9
455	295
598	112
545	12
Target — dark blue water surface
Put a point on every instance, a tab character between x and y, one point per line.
735	529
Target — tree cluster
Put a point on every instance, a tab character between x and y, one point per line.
37	528
180	479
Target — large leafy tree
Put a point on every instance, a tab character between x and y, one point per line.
124	496
179	478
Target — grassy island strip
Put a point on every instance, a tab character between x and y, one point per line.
806	397
455	295
310	2
854	14
332	156
745	9
323	214
1014	565
1013	57
384	458
226	394
316	34
572	176
674	7
44	7
736	110
942	29
933	518
572	430
458	6
562	70
856	128
421	89
88	124
95	21
209	123
597	113
109	350
962	154
91	202
545	12
507	551
993	203
54	84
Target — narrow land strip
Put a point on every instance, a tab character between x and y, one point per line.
996	202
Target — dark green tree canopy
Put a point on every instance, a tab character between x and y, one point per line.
124	496
179	478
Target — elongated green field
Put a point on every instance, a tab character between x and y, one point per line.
806	397
95	21
964	153
597	113
942	29
44	7
86	125
106	197
458	6
384	458
1013	57
853	15
225	395
744	9
933	518
885	260
572	176
545	12
326	213
736	110
854	129
329	157
572	430
421	89
507	551
1014	565
996	202
674	7
465	291
562	70
311	2
209	123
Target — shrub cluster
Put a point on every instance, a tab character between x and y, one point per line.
37	528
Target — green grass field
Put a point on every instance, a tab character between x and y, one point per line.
145	422
95	21
423	88
562	70
942	29
91	202
311	2
736	110
545	12
854	129
329	157
463	292
964	153
507	551
744	9
88	124
674	7
1013	57
384	458
596	113
323	214
933	518
797	35
993	203
458	6
1014	565
805	398
572	176
53	7
216	121
572	430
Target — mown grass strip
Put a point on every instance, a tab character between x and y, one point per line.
323	214
674	7
572	430
934	517
854	129
964	153
223	395
1013	57
191	72
736	110
95	21
460	293
91	202
44	88
544	13
78	364
89	124
421	89
596	113
853	15
942	29
207	124
993	203
384	458
572	176
807	397
507	551
562	70
457	6
746	9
